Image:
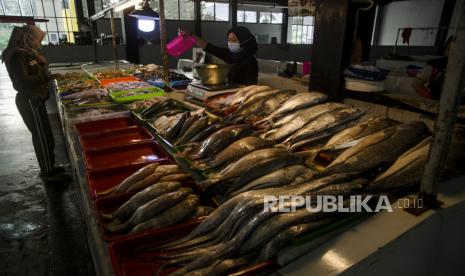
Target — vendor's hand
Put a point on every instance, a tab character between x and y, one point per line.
184	32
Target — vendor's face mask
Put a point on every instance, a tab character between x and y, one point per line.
234	47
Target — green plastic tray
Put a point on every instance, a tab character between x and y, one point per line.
120	96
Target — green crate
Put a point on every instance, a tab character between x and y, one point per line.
121	96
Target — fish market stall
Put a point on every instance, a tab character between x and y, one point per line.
174	183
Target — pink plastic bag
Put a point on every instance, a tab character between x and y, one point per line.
180	45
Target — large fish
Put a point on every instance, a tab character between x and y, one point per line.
170	216
219	140
234	151
301	120
359	131
235	169
158	172
271	104
406	171
254	103
190	120
324	123
192	130
205	132
141	198
133	179
296	102
172	130
279	177
150	209
380	148
246	92
222	267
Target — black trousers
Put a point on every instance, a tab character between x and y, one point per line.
35	117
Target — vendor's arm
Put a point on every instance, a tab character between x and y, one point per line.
221	53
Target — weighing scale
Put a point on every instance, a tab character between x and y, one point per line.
203	92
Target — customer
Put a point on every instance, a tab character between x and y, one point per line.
29	74
241	51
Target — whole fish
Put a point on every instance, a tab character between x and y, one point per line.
222	267
273	246
279	177
264	167
296	102
157	107
133	178
141	198
326	121
358	131
254	103
163	123
171	216
150	209
203	134
271	104
406	171
159	172
234	151
193	129
242	96
175	177
301	120
219	140
380	148
172	130
169	112
190	120
235	169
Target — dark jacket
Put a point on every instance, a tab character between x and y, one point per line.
243	72
28	74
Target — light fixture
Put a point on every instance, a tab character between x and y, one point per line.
127	4
145	17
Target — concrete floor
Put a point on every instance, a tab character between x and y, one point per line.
41	229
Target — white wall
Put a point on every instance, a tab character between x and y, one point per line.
414	13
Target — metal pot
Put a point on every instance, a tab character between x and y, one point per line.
213	73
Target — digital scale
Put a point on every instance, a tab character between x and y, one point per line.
203	92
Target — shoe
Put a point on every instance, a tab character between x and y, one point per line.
56	177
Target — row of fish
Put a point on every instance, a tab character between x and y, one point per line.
240	232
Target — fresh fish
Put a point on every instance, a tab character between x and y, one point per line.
242	96
141	198
406	171
254	103
380	148
163	123
159	172
157	108
133	178
169	112
235	151
296	102
222	267
150	209
238	167
193	129
191	119
301	120
175	177
358	131
172	130
170	216
326	121
279	177
271	104
273	246
219	140
202	211
264	167
207	131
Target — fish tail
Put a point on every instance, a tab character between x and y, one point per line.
116	226
109	191
107	216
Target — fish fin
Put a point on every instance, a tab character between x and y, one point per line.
309	154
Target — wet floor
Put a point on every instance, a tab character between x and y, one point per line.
41	229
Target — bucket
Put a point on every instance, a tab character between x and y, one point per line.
179	45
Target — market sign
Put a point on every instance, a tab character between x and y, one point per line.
301	7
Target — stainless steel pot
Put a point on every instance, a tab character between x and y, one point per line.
213	73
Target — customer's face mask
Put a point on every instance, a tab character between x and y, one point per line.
234	47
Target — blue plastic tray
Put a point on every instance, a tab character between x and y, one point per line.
171	84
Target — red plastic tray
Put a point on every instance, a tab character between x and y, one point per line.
114	138
142	153
127	260
100	181
106	82
105	125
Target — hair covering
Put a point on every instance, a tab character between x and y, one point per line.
25	38
248	44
